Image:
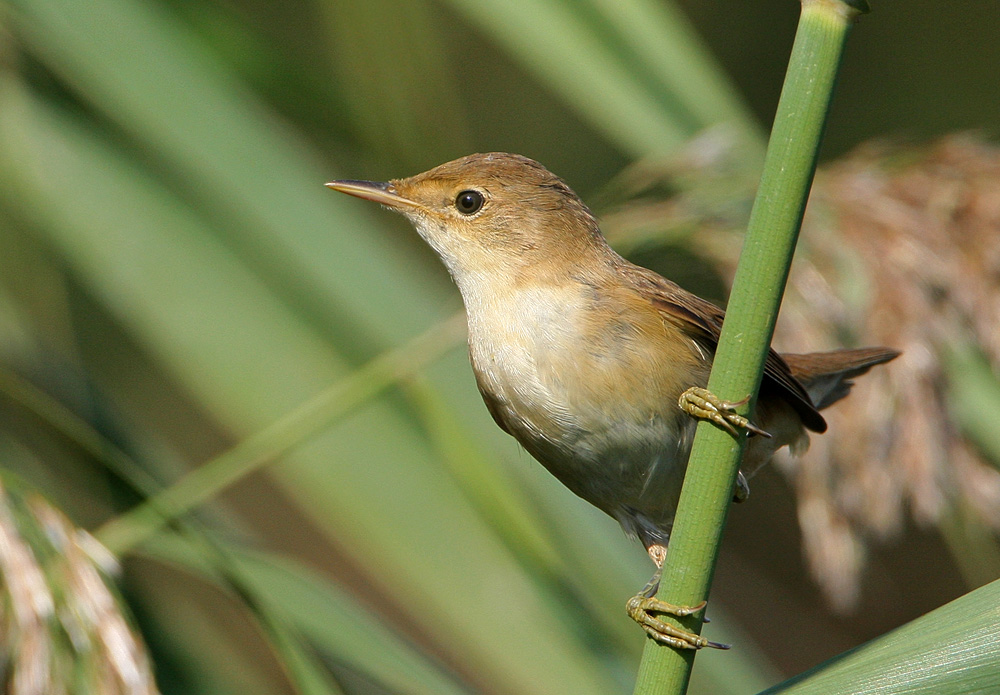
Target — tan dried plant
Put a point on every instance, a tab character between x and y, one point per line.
900	247
64	629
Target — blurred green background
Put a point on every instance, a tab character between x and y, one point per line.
174	278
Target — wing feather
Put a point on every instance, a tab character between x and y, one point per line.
702	320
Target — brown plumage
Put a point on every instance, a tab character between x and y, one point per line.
580	354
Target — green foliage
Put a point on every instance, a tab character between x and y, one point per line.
179	290
953	649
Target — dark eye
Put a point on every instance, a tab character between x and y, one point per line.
469	202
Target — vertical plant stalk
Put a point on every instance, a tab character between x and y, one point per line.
746	334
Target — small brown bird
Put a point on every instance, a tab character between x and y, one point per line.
592	363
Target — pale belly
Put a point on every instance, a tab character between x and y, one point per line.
600	413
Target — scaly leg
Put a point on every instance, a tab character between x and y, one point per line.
643	605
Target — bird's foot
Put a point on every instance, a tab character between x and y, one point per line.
705	405
641	609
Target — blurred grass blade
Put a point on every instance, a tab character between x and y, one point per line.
221	255
668	49
238	350
503	505
331	621
308	676
321	412
625	82
303	667
954	649
260	184
974	390
301	664
402	99
63	420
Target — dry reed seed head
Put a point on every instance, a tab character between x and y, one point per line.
980	485
899	248
28	606
700	195
918	229
837	551
65	628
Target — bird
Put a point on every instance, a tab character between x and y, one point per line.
598	367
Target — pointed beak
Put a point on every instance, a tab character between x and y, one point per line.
370	190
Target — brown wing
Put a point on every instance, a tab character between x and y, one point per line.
703	321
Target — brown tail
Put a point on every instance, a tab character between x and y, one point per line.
827	376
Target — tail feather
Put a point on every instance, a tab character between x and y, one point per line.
827	376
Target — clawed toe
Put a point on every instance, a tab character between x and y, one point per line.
642	608
705	405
